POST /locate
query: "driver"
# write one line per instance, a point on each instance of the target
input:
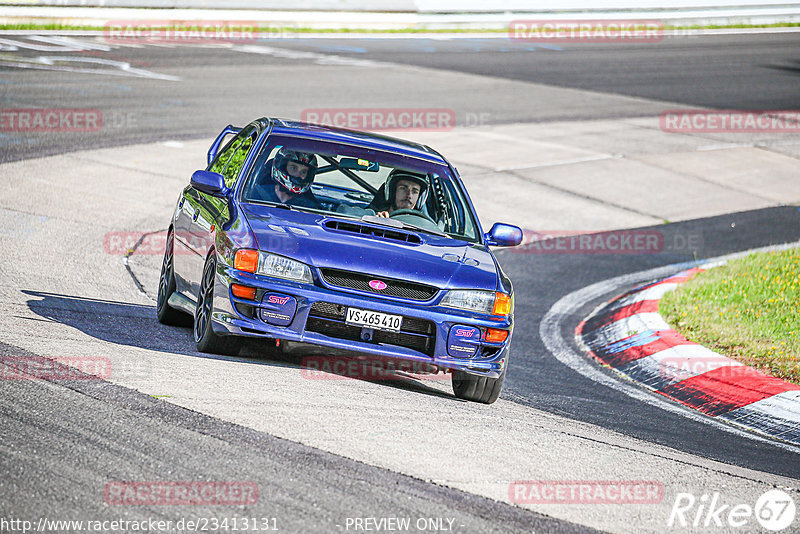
(292, 173)
(404, 191)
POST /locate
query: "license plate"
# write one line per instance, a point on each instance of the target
(371, 319)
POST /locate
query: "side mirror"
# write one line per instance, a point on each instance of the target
(504, 235)
(212, 183)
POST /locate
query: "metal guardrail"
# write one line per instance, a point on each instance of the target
(419, 6)
(408, 6)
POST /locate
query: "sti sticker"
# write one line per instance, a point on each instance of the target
(463, 341)
(277, 309)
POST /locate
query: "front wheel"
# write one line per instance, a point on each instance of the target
(166, 287)
(477, 388)
(204, 336)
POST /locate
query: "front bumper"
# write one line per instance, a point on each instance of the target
(321, 325)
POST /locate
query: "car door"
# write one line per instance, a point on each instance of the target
(204, 213)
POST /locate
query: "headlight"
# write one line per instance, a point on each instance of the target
(466, 299)
(478, 301)
(280, 267)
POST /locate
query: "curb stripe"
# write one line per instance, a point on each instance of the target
(681, 277)
(642, 306)
(627, 327)
(675, 365)
(630, 336)
(623, 312)
(654, 292)
(727, 388)
(777, 415)
(634, 348)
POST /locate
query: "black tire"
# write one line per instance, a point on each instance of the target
(204, 336)
(477, 388)
(166, 287)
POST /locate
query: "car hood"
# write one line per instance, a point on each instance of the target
(437, 261)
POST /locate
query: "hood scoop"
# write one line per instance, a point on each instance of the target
(372, 231)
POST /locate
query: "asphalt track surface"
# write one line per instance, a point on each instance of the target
(560, 390)
(747, 72)
(751, 71)
(80, 434)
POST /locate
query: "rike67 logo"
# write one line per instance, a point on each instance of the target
(774, 511)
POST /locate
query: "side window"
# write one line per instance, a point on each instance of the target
(230, 161)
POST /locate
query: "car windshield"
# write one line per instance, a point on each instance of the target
(356, 182)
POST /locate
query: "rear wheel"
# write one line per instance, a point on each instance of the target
(166, 287)
(204, 336)
(477, 388)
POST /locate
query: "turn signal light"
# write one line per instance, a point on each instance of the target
(502, 304)
(243, 292)
(495, 335)
(246, 260)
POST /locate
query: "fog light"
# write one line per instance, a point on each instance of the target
(243, 292)
(495, 335)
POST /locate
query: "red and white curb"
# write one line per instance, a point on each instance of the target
(628, 335)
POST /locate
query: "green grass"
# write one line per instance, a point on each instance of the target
(292, 29)
(748, 310)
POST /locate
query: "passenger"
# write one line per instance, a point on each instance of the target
(403, 191)
(291, 174)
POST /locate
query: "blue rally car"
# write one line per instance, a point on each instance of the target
(304, 234)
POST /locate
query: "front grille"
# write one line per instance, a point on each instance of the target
(394, 288)
(328, 319)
